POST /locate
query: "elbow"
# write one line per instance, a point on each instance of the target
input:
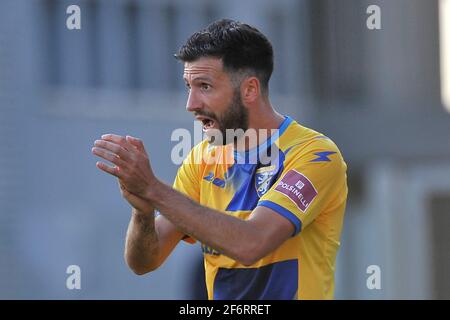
(141, 268)
(138, 272)
(248, 262)
(249, 256)
(255, 249)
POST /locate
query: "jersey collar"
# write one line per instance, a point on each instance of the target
(251, 155)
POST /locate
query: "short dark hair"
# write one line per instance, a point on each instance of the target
(241, 47)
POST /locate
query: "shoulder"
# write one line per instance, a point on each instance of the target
(311, 152)
(302, 142)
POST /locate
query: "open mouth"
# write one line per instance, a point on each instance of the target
(208, 123)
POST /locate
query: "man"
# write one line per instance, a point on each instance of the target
(269, 229)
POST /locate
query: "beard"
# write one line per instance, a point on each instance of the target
(232, 124)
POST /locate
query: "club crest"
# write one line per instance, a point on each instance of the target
(263, 179)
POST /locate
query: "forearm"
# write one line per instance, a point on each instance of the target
(141, 245)
(231, 236)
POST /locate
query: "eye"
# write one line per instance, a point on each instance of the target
(188, 87)
(205, 86)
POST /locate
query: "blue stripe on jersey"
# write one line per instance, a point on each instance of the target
(251, 155)
(287, 121)
(237, 174)
(246, 197)
(242, 178)
(276, 281)
(242, 174)
(285, 213)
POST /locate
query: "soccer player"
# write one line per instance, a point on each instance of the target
(268, 212)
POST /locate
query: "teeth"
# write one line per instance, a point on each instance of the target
(207, 124)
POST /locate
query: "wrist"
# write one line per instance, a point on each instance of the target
(152, 193)
(147, 214)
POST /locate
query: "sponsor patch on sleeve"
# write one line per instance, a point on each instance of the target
(297, 188)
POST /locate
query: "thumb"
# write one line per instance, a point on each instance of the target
(122, 188)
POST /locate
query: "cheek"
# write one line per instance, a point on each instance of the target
(215, 103)
(224, 101)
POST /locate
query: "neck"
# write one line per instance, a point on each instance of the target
(261, 121)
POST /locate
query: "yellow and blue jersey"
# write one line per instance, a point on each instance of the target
(305, 182)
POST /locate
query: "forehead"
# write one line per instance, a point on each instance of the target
(206, 66)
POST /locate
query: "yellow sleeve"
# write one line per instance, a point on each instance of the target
(313, 178)
(187, 180)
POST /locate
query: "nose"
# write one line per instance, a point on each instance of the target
(193, 103)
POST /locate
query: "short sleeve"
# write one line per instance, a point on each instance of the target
(187, 180)
(311, 180)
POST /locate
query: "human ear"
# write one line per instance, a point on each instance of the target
(250, 90)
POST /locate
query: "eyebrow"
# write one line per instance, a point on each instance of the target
(208, 79)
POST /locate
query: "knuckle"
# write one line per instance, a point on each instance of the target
(115, 149)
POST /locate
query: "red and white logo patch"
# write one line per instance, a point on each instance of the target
(297, 188)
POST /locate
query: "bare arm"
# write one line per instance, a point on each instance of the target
(149, 240)
(246, 241)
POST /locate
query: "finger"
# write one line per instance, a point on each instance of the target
(120, 140)
(114, 148)
(111, 157)
(109, 169)
(136, 142)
